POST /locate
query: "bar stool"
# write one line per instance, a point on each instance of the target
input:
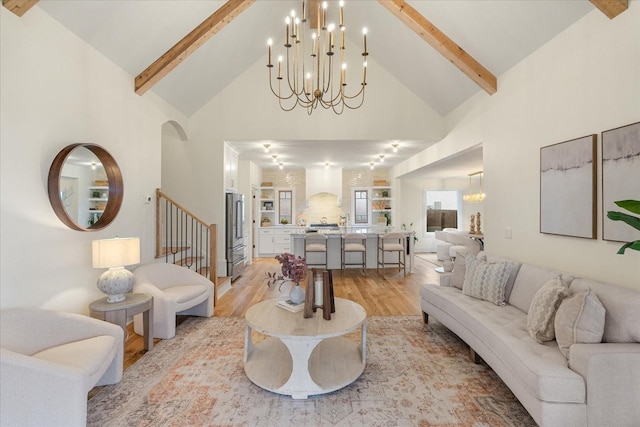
(354, 243)
(392, 242)
(315, 243)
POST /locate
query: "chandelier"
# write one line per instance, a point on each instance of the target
(474, 197)
(308, 78)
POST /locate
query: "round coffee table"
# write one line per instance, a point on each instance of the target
(303, 357)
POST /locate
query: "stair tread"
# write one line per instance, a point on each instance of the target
(167, 250)
(187, 260)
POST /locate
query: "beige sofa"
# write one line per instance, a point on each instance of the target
(598, 385)
(49, 361)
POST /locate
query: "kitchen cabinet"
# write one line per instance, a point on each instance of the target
(275, 240)
(265, 242)
(230, 168)
(282, 240)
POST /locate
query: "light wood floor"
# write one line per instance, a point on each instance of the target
(391, 294)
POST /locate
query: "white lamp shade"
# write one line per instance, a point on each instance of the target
(116, 252)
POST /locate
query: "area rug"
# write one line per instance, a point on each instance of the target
(416, 375)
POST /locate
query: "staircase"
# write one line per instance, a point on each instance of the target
(184, 239)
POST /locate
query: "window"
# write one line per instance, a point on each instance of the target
(285, 206)
(442, 210)
(361, 206)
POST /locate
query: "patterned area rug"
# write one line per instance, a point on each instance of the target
(416, 375)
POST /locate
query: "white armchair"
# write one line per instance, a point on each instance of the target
(462, 245)
(442, 245)
(175, 290)
(49, 361)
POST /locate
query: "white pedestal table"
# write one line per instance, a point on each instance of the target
(302, 357)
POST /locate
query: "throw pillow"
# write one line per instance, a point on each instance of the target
(485, 280)
(580, 319)
(459, 270)
(542, 311)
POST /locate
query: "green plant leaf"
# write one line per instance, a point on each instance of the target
(619, 216)
(631, 245)
(630, 205)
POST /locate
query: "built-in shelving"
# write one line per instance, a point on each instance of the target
(381, 199)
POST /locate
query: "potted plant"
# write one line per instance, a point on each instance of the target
(632, 206)
(415, 236)
(265, 222)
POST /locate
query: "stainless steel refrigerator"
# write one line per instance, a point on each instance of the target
(234, 234)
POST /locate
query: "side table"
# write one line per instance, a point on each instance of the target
(118, 312)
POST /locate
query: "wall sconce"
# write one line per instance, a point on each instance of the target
(275, 158)
(395, 147)
(371, 165)
(115, 254)
(381, 158)
(266, 147)
(326, 165)
(281, 165)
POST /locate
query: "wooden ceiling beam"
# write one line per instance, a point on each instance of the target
(19, 7)
(443, 44)
(611, 8)
(192, 41)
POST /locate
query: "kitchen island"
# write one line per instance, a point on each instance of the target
(334, 248)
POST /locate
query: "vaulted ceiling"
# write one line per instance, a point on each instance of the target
(495, 33)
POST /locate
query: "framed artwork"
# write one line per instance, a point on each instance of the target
(620, 178)
(568, 188)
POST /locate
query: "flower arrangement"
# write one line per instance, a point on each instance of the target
(294, 269)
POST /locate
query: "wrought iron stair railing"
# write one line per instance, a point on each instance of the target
(184, 239)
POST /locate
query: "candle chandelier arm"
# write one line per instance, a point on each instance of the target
(314, 84)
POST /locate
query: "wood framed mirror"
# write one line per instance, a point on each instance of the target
(85, 187)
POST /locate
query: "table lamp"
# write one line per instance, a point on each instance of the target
(114, 254)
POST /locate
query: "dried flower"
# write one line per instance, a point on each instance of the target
(294, 269)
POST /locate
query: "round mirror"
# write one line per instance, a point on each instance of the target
(85, 187)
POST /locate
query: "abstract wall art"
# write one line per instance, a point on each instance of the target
(620, 178)
(568, 188)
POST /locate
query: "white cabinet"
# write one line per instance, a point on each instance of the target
(230, 168)
(266, 242)
(275, 240)
(381, 199)
(282, 241)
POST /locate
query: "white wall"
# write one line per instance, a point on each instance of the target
(56, 90)
(584, 81)
(247, 110)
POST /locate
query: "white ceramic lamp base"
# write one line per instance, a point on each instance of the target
(116, 282)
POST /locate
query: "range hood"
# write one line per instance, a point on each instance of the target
(322, 180)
